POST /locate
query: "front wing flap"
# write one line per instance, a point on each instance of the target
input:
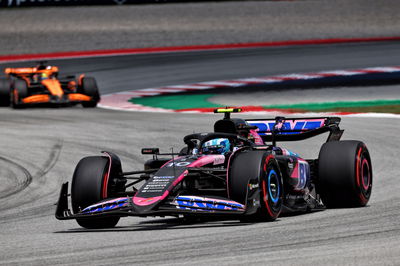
(124, 206)
(56, 99)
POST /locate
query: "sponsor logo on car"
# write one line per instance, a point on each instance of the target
(253, 186)
(107, 205)
(267, 126)
(205, 204)
(178, 164)
(219, 159)
(163, 177)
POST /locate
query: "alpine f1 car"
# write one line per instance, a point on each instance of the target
(235, 171)
(41, 85)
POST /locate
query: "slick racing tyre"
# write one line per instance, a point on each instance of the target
(5, 87)
(262, 167)
(345, 174)
(89, 88)
(19, 92)
(91, 184)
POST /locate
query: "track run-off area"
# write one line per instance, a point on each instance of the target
(41, 146)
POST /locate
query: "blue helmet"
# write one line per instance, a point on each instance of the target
(216, 146)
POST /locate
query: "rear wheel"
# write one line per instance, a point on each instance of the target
(260, 166)
(345, 174)
(5, 86)
(19, 92)
(89, 88)
(91, 184)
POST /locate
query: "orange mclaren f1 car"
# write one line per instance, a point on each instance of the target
(40, 85)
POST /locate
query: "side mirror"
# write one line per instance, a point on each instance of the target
(150, 151)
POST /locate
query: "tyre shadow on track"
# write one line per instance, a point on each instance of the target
(166, 224)
(180, 223)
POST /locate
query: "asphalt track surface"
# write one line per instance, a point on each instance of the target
(40, 148)
(122, 73)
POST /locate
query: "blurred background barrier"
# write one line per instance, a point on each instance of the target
(22, 3)
(17, 3)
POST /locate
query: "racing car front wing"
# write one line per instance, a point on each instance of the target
(56, 99)
(183, 204)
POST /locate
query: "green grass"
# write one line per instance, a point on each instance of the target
(177, 102)
(193, 101)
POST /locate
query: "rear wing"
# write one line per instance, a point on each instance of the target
(294, 129)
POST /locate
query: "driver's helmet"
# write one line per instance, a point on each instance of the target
(44, 76)
(216, 146)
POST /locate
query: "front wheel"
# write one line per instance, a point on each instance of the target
(18, 93)
(262, 168)
(5, 86)
(90, 184)
(89, 88)
(345, 174)
(271, 190)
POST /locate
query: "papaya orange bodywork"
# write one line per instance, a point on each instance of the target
(53, 86)
(41, 98)
(78, 97)
(43, 86)
(31, 70)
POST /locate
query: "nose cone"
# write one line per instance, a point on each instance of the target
(53, 86)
